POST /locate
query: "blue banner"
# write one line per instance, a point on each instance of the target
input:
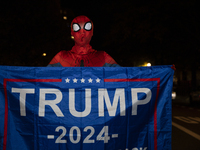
(82, 108)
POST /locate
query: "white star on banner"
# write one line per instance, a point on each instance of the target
(98, 80)
(82, 80)
(90, 80)
(75, 80)
(67, 80)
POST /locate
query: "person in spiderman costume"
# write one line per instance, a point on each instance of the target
(82, 54)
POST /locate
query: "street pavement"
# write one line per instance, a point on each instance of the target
(185, 125)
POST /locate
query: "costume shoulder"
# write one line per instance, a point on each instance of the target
(109, 61)
(59, 59)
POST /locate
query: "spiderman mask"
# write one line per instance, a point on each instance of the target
(82, 30)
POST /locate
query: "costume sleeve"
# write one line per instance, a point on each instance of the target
(55, 62)
(109, 61)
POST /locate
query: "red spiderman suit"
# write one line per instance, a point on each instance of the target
(82, 54)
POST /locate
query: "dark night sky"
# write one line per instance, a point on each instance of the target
(165, 32)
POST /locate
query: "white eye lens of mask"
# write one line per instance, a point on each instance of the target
(76, 27)
(88, 26)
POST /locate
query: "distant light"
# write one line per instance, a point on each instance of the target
(72, 37)
(65, 17)
(148, 64)
(173, 95)
(44, 54)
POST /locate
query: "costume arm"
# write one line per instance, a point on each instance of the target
(109, 61)
(55, 62)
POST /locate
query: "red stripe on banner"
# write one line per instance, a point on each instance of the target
(155, 106)
(6, 100)
(131, 80)
(6, 116)
(33, 80)
(155, 115)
